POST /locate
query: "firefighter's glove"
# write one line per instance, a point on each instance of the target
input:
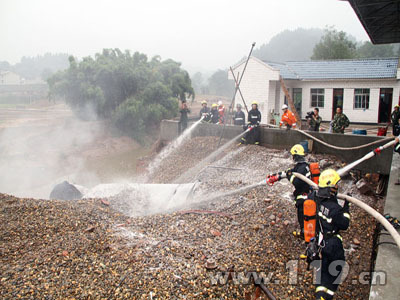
(289, 173)
(271, 179)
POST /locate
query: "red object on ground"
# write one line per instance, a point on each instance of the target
(382, 131)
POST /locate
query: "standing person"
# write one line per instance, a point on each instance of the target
(301, 188)
(221, 112)
(288, 118)
(183, 122)
(331, 218)
(253, 120)
(340, 121)
(395, 117)
(239, 118)
(314, 120)
(396, 128)
(214, 115)
(205, 111)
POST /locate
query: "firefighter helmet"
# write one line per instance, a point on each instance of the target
(284, 106)
(328, 178)
(214, 105)
(254, 103)
(219, 103)
(297, 150)
(204, 102)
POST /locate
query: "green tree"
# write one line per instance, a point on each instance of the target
(219, 84)
(290, 45)
(369, 50)
(133, 92)
(334, 45)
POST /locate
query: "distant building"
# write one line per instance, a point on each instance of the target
(10, 78)
(366, 89)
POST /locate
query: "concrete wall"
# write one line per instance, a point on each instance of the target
(282, 139)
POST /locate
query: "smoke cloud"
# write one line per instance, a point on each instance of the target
(39, 149)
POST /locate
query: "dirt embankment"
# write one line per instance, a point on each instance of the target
(83, 249)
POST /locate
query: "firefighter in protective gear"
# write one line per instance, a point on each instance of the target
(239, 118)
(221, 113)
(253, 120)
(205, 111)
(288, 118)
(214, 116)
(331, 219)
(301, 188)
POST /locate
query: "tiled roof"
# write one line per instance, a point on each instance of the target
(338, 69)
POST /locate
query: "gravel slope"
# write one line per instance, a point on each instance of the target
(86, 250)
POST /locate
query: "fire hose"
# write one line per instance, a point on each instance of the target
(337, 147)
(369, 155)
(344, 148)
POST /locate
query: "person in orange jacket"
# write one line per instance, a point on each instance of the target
(221, 112)
(288, 119)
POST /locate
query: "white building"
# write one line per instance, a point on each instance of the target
(366, 89)
(10, 78)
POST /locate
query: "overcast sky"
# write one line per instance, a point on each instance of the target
(204, 34)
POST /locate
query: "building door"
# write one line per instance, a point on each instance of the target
(297, 98)
(337, 100)
(385, 105)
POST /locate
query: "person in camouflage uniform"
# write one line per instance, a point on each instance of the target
(340, 121)
(314, 121)
(395, 117)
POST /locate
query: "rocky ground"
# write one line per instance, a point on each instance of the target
(86, 250)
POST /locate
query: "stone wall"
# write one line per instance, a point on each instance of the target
(282, 139)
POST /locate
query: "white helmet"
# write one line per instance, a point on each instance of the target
(219, 103)
(284, 106)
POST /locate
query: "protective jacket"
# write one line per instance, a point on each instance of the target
(254, 117)
(331, 219)
(239, 118)
(214, 116)
(395, 117)
(338, 122)
(300, 186)
(221, 113)
(205, 110)
(289, 119)
(396, 129)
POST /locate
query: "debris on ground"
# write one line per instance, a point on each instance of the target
(85, 249)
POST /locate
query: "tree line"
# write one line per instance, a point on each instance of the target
(40, 66)
(135, 93)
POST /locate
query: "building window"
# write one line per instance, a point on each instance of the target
(317, 97)
(361, 98)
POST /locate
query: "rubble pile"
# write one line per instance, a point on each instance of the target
(87, 250)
